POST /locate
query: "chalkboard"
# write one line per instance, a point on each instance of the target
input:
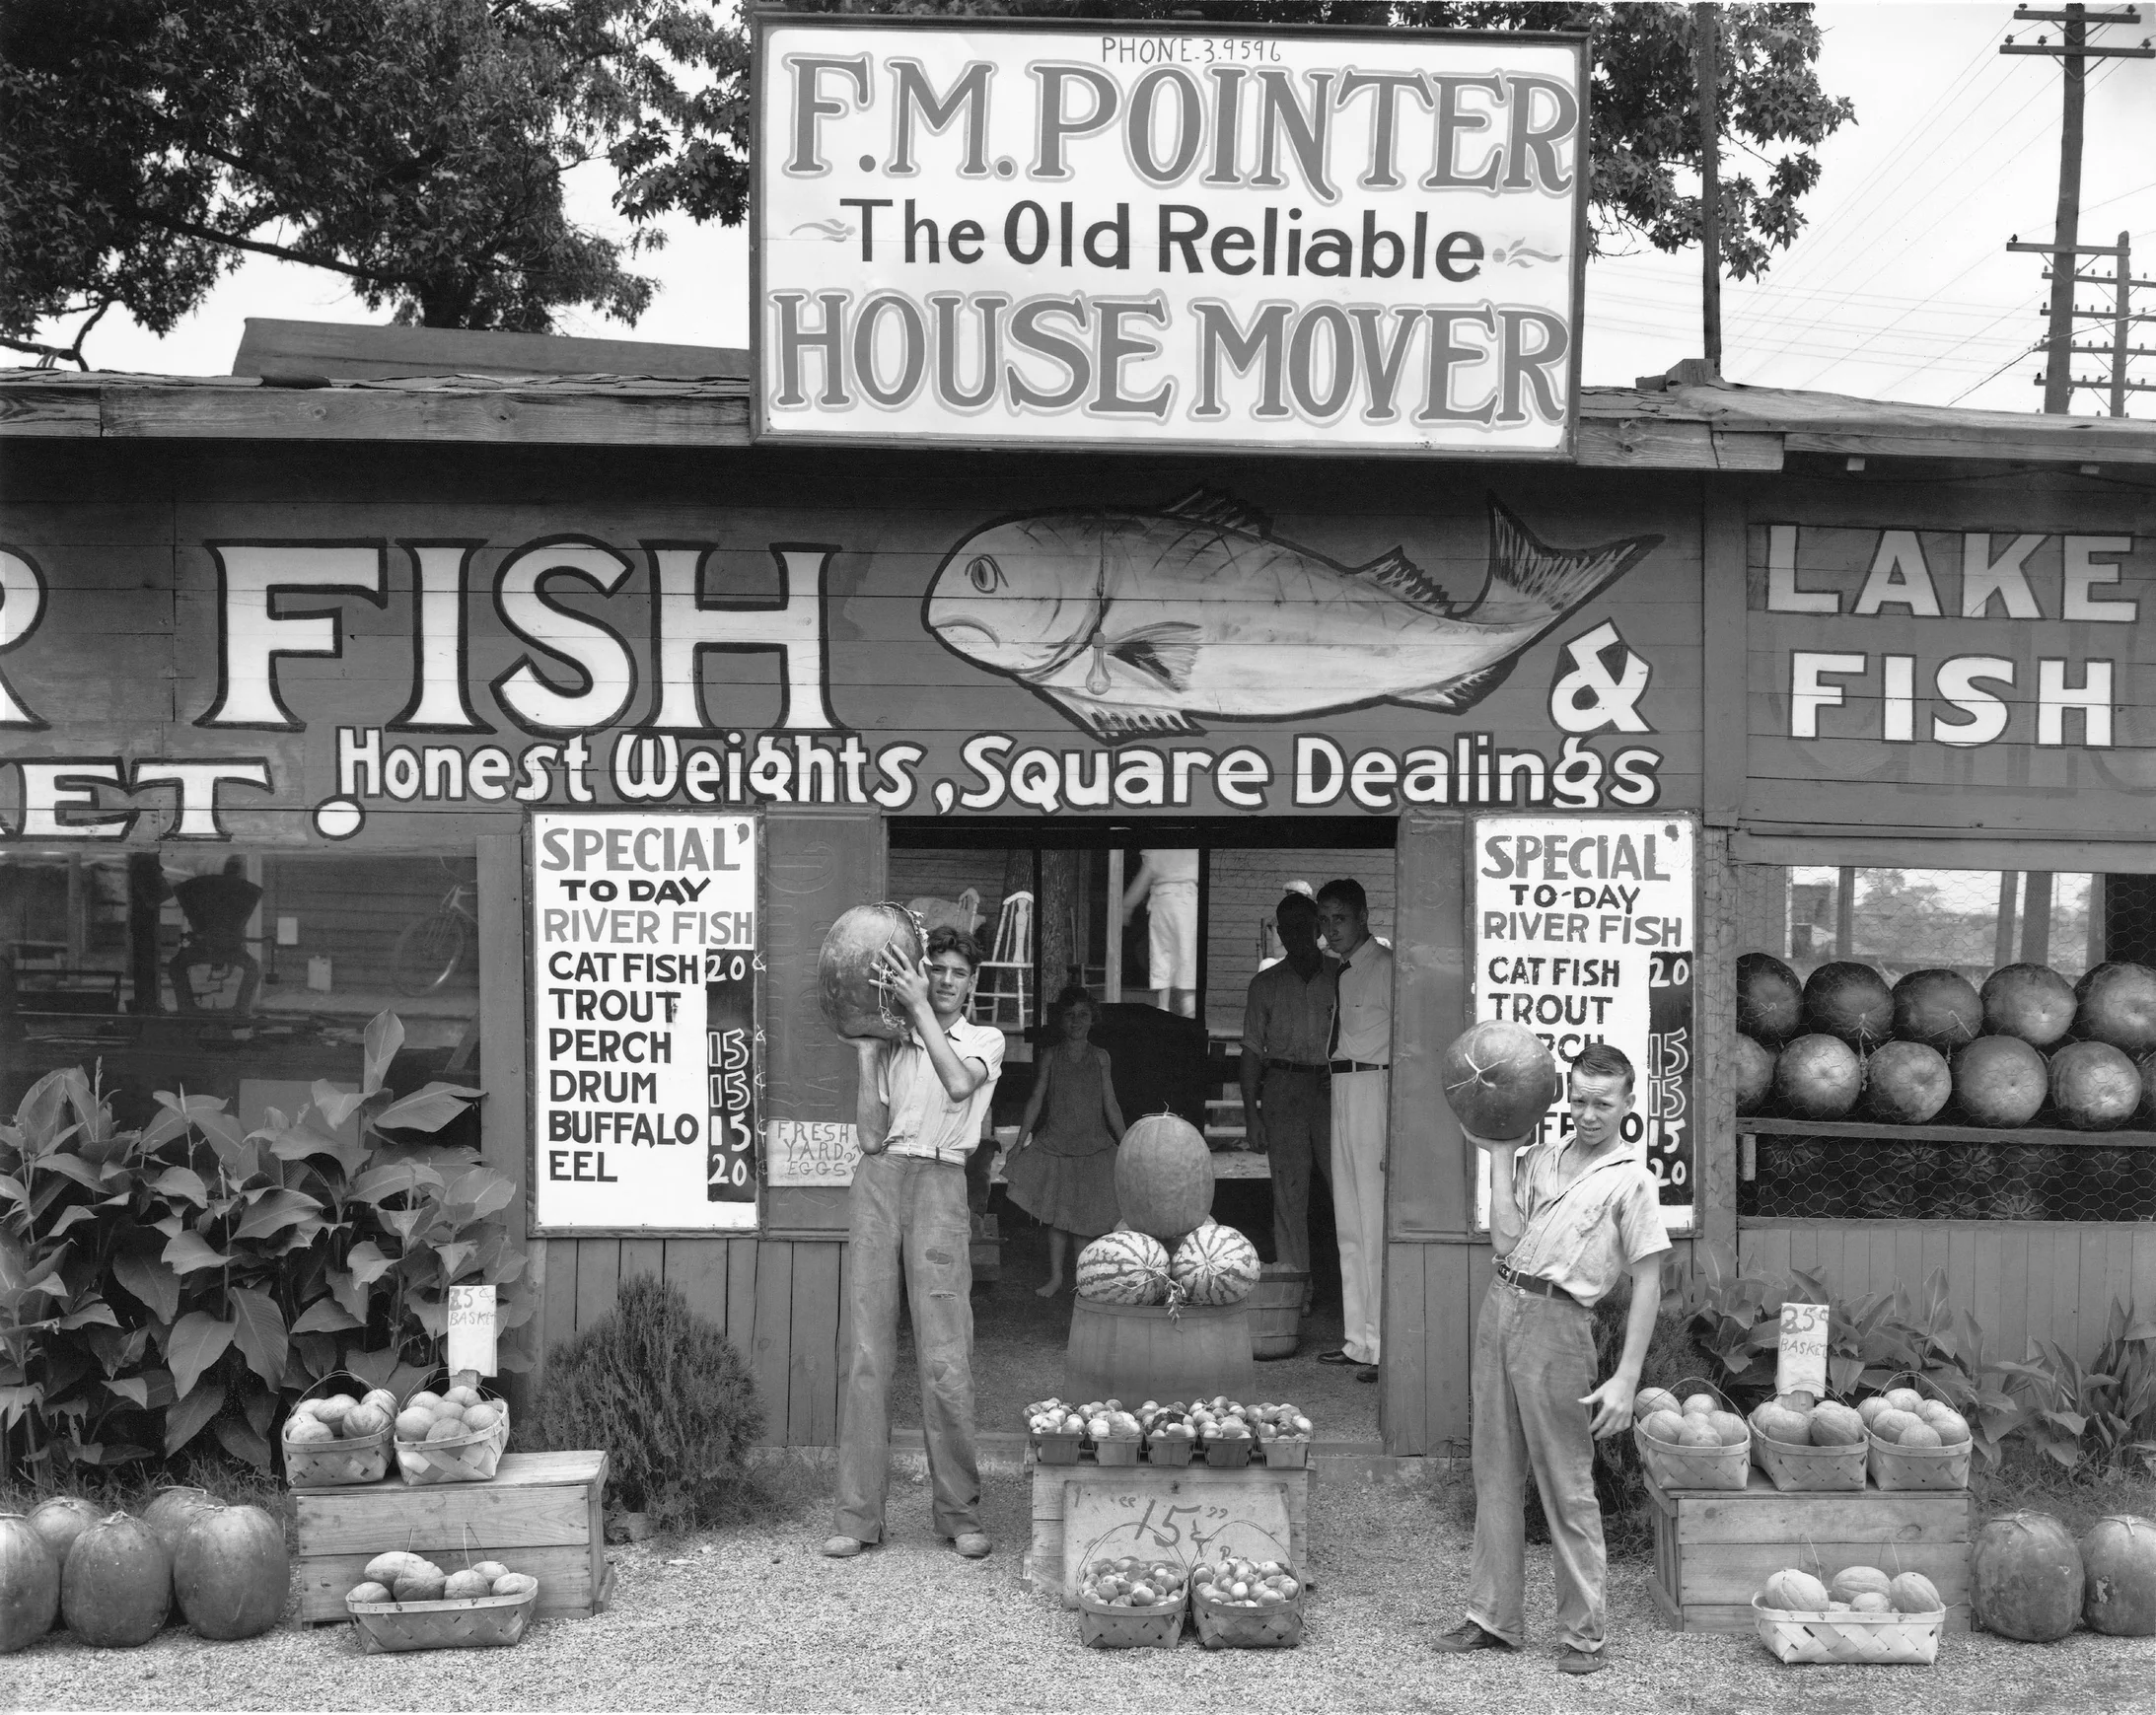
(731, 1036)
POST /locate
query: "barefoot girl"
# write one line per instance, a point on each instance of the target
(1062, 1170)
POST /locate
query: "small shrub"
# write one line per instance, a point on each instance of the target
(661, 1390)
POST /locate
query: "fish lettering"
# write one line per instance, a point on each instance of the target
(1146, 621)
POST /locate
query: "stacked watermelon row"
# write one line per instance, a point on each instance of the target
(1164, 1182)
(1933, 1046)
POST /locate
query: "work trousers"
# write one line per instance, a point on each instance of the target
(1297, 1109)
(908, 1213)
(1534, 1363)
(1359, 1101)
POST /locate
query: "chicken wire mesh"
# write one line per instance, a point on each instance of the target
(1972, 922)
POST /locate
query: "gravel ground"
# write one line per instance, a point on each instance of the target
(755, 1619)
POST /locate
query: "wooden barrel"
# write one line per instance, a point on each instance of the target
(1275, 1305)
(1134, 1352)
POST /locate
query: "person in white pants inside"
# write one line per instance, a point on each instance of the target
(1361, 1059)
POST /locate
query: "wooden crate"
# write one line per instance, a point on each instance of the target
(987, 1248)
(540, 1513)
(1044, 1565)
(1713, 1548)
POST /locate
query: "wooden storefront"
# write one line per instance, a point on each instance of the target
(392, 528)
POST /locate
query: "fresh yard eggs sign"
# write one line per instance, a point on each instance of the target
(1311, 240)
(645, 1046)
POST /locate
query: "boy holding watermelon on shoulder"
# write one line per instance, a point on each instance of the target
(919, 1114)
(1568, 1220)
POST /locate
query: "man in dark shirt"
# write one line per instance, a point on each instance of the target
(217, 909)
(1287, 1026)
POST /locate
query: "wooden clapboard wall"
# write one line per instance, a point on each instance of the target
(2022, 1280)
(780, 1297)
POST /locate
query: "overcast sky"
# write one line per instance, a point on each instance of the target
(1901, 288)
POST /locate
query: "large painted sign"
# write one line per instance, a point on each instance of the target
(643, 940)
(1330, 240)
(1586, 930)
(1026, 648)
(1996, 677)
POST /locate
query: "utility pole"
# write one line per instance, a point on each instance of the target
(2073, 53)
(1703, 31)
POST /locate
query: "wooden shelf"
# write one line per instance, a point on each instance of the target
(2025, 1137)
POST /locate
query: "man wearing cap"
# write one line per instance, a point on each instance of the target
(1572, 1218)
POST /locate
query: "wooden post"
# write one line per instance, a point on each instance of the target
(2002, 942)
(1111, 974)
(2036, 917)
(2059, 380)
(1710, 189)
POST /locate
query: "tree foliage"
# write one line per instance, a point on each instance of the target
(418, 147)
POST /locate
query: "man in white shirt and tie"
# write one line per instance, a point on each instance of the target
(1361, 1060)
(919, 1114)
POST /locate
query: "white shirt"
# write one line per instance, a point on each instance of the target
(923, 1120)
(1366, 1005)
(1584, 1237)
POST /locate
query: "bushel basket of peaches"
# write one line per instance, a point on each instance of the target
(338, 1433)
(1692, 1443)
(452, 1436)
(406, 1602)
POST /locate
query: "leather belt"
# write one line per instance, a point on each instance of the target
(1357, 1066)
(1296, 1066)
(1533, 1283)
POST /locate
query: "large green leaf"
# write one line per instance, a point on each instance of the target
(274, 1211)
(334, 1105)
(199, 1340)
(97, 1311)
(297, 1142)
(188, 1251)
(187, 1419)
(130, 1388)
(427, 1108)
(385, 1036)
(394, 1179)
(325, 1315)
(183, 1181)
(367, 1263)
(72, 1167)
(258, 1331)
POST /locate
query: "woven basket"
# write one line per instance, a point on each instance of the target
(1057, 1449)
(322, 1464)
(1102, 1626)
(1887, 1638)
(1118, 1448)
(474, 1623)
(1169, 1448)
(1229, 1452)
(1696, 1468)
(463, 1459)
(1809, 1469)
(1277, 1625)
(1919, 1468)
(1280, 1454)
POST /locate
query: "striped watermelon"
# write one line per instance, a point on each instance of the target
(1215, 1264)
(1123, 1268)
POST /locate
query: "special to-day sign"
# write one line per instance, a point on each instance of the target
(1065, 235)
(646, 1062)
(1585, 930)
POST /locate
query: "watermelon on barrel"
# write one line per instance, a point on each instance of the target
(2030, 1001)
(1819, 1077)
(1123, 1268)
(2119, 1564)
(1851, 1001)
(1939, 1008)
(2001, 1081)
(1164, 1177)
(1755, 1074)
(2117, 1005)
(1499, 1080)
(1215, 1264)
(2025, 1578)
(850, 989)
(2094, 1086)
(1769, 999)
(1906, 1083)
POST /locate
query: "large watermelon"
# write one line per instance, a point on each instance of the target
(1753, 1075)
(1215, 1264)
(2094, 1084)
(1939, 1008)
(1769, 999)
(1164, 1177)
(1851, 1001)
(849, 987)
(2001, 1081)
(30, 1584)
(2119, 1561)
(2117, 1005)
(1123, 1268)
(1500, 1080)
(2030, 1001)
(2025, 1578)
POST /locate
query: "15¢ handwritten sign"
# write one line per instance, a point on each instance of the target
(645, 1063)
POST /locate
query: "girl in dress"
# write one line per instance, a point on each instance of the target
(1062, 1168)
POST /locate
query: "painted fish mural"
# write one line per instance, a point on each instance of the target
(1146, 621)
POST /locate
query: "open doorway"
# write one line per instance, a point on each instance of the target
(1162, 928)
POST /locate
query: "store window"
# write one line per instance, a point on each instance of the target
(2061, 1163)
(243, 975)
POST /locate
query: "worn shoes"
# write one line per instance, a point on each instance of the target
(1573, 1661)
(842, 1547)
(1465, 1636)
(974, 1545)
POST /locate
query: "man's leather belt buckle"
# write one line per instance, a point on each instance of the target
(1533, 1283)
(1357, 1066)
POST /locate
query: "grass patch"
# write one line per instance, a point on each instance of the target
(2029, 1481)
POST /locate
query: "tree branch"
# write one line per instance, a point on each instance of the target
(210, 235)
